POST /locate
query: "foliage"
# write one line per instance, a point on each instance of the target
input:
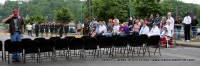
(63, 15)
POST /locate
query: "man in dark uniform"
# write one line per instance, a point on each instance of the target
(56, 29)
(86, 27)
(37, 28)
(46, 29)
(61, 29)
(66, 28)
(51, 29)
(42, 26)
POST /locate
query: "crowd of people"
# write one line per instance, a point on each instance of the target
(163, 26)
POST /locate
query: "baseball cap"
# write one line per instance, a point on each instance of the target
(15, 11)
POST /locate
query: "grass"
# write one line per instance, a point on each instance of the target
(198, 40)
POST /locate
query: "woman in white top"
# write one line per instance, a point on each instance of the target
(144, 29)
(116, 28)
(154, 31)
(29, 29)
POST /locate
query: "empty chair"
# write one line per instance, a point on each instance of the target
(31, 47)
(137, 44)
(13, 47)
(76, 44)
(107, 44)
(120, 43)
(1, 45)
(154, 41)
(6, 44)
(91, 44)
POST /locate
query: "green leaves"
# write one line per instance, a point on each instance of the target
(63, 15)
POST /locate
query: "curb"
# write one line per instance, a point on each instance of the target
(188, 44)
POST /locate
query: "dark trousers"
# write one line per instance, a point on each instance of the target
(187, 31)
(36, 33)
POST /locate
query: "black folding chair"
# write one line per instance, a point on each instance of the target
(91, 44)
(61, 46)
(31, 47)
(155, 42)
(107, 44)
(46, 47)
(1, 45)
(137, 44)
(76, 44)
(13, 47)
(6, 44)
(120, 44)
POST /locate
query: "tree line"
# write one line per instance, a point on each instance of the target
(67, 10)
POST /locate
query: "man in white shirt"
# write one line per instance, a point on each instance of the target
(154, 31)
(102, 29)
(187, 24)
(144, 29)
(171, 19)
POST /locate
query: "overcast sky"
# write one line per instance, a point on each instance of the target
(187, 1)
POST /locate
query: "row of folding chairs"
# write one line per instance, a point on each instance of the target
(56, 47)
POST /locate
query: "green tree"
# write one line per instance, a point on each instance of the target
(63, 15)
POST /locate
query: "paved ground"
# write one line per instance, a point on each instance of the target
(179, 52)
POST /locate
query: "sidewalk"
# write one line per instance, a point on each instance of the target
(188, 44)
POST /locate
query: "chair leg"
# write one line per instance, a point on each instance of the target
(8, 58)
(155, 50)
(159, 50)
(148, 51)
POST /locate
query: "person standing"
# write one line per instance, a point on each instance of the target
(37, 28)
(178, 25)
(150, 21)
(42, 27)
(16, 30)
(172, 22)
(86, 27)
(51, 29)
(157, 20)
(29, 29)
(46, 29)
(61, 30)
(194, 28)
(187, 24)
(66, 28)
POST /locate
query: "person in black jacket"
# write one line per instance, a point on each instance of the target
(86, 28)
(46, 29)
(37, 28)
(66, 29)
(56, 26)
(61, 30)
(51, 29)
(42, 26)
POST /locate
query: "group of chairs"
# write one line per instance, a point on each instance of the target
(68, 47)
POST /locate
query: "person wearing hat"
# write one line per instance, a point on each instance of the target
(16, 30)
